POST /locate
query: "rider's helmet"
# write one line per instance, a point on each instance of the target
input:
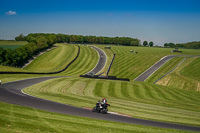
(104, 100)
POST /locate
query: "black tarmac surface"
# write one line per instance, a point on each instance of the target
(102, 60)
(153, 68)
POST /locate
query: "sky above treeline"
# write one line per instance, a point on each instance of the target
(160, 21)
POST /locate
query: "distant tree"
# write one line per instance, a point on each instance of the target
(166, 45)
(145, 43)
(171, 45)
(151, 44)
(20, 37)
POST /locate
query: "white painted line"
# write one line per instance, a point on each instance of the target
(28, 94)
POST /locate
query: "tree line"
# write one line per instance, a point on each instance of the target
(191, 45)
(40, 41)
(60, 38)
(19, 56)
(146, 44)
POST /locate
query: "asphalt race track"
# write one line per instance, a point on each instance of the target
(102, 60)
(153, 68)
(12, 93)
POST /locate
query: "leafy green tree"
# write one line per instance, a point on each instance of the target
(2, 55)
(145, 43)
(166, 45)
(171, 45)
(151, 44)
(20, 37)
(41, 42)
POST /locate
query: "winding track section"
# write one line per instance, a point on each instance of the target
(12, 93)
(102, 60)
(153, 68)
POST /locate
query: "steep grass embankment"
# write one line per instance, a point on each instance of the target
(138, 99)
(186, 76)
(54, 60)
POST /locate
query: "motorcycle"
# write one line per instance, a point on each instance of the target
(101, 108)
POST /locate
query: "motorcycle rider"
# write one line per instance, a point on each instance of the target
(101, 106)
(103, 102)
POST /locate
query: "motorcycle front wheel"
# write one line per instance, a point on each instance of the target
(104, 111)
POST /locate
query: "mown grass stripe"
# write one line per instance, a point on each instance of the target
(111, 89)
(124, 90)
(84, 63)
(98, 88)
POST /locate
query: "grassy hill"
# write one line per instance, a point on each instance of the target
(186, 76)
(86, 61)
(137, 99)
(54, 60)
(130, 65)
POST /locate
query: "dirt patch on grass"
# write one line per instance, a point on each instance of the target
(164, 81)
(198, 87)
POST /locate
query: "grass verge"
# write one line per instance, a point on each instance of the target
(15, 118)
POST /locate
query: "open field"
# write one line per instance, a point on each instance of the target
(130, 65)
(186, 76)
(15, 118)
(12, 44)
(140, 100)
